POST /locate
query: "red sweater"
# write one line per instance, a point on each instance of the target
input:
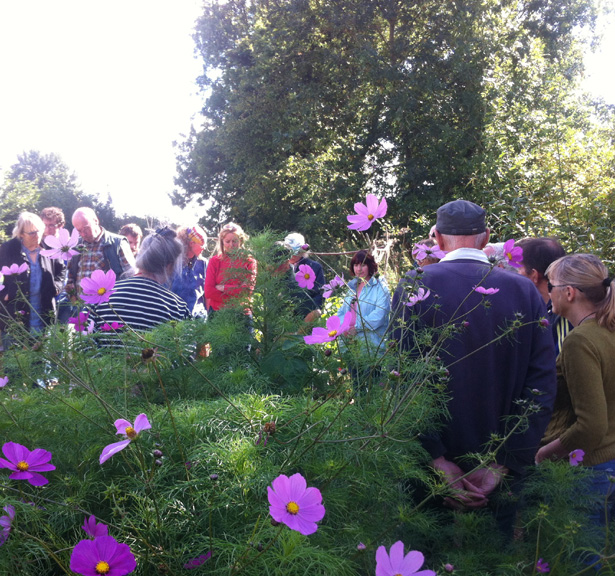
(238, 277)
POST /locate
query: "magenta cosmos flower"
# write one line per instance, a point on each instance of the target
(329, 288)
(4, 381)
(368, 213)
(6, 522)
(63, 246)
(26, 464)
(421, 294)
(420, 252)
(196, 562)
(93, 528)
(294, 504)
(104, 555)
(396, 564)
(513, 254)
(542, 567)
(98, 287)
(576, 457)
(305, 277)
(82, 322)
(14, 269)
(487, 291)
(335, 327)
(110, 327)
(131, 432)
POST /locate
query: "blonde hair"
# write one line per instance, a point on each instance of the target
(588, 274)
(230, 228)
(27, 218)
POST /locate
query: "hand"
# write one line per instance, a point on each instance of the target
(552, 451)
(466, 495)
(220, 287)
(486, 480)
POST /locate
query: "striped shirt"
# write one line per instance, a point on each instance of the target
(141, 304)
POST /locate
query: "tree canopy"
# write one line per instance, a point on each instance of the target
(311, 104)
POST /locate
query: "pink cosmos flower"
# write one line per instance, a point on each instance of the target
(82, 323)
(98, 287)
(62, 246)
(513, 254)
(294, 504)
(420, 252)
(6, 523)
(361, 546)
(329, 288)
(196, 562)
(14, 269)
(4, 381)
(93, 528)
(487, 291)
(396, 564)
(103, 555)
(576, 457)
(542, 567)
(113, 326)
(335, 328)
(26, 464)
(421, 294)
(368, 213)
(131, 432)
(305, 277)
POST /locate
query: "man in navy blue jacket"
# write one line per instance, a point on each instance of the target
(499, 357)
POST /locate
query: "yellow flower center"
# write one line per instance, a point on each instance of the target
(101, 291)
(23, 466)
(292, 508)
(130, 432)
(333, 334)
(102, 567)
(370, 216)
(306, 276)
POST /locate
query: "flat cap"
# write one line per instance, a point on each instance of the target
(460, 218)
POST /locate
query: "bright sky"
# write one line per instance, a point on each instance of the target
(108, 86)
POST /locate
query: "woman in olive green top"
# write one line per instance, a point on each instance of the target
(584, 412)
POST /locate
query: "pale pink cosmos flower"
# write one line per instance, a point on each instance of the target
(14, 269)
(294, 504)
(98, 287)
(63, 246)
(4, 381)
(131, 432)
(329, 288)
(576, 457)
(513, 254)
(82, 323)
(421, 294)
(487, 291)
(420, 252)
(368, 213)
(335, 328)
(305, 276)
(93, 528)
(396, 564)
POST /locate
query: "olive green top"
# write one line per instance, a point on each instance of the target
(584, 411)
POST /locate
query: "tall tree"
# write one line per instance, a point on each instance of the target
(313, 103)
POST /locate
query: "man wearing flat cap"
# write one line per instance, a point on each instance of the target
(488, 379)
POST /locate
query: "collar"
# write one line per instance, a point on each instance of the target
(466, 254)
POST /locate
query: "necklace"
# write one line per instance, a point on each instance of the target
(585, 318)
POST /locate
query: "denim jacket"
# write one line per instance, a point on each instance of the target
(372, 309)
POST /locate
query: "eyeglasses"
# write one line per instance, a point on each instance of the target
(551, 286)
(33, 233)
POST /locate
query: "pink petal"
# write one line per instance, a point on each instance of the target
(382, 209)
(38, 480)
(383, 562)
(275, 500)
(281, 486)
(121, 425)
(413, 561)
(39, 456)
(112, 449)
(15, 452)
(142, 423)
(297, 486)
(361, 209)
(371, 203)
(396, 554)
(303, 526)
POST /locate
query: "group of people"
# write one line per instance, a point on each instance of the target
(511, 328)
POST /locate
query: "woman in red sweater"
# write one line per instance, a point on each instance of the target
(231, 274)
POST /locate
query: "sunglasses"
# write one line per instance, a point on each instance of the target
(551, 286)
